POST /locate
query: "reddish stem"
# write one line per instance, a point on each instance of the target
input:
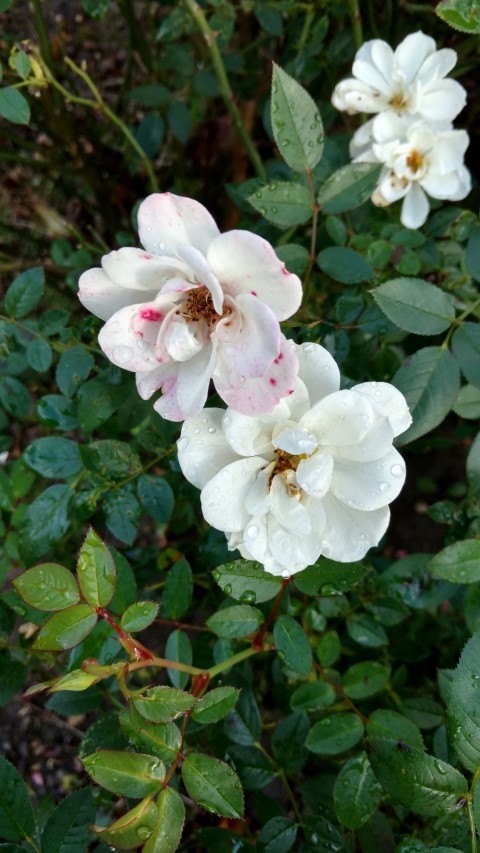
(134, 648)
(259, 638)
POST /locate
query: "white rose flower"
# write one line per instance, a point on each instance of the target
(422, 160)
(315, 476)
(196, 305)
(407, 81)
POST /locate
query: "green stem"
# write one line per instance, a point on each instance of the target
(136, 35)
(356, 20)
(238, 658)
(471, 823)
(211, 42)
(117, 121)
(291, 796)
(458, 321)
(42, 32)
(309, 18)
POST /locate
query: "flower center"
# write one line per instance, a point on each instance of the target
(199, 306)
(286, 464)
(414, 161)
(399, 101)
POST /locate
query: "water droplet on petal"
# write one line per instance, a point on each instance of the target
(286, 573)
(397, 470)
(211, 430)
(252, 531)
(122, 353)
(384, 487)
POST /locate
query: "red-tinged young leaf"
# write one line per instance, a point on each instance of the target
(213, 785)
(129, 774)
(132, 829)
(76, 681)
(96, 571)
(167, 833)
(66, 629)
(48, 586)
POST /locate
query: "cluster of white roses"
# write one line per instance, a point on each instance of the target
(411, 133)
(294, 467)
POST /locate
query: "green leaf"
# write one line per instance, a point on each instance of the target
(168, 829)
(98, 399)
(215, 705)
(66, 830)
(66, 629)
(14, 106)
(473, 465)
(472, 254)
(294, 257)
(14, 397)
(156, 497)
(178, 648)
(390, 724)
(247, 581)
(292, 644)
(161, 739)
(463, 709)
(122, 513)
(96, 8)
(96, 571)
(45, 520)
(252, 765)
(236, 621)
(415, 305)
(244, 725)
(126, 589)
(277, 835)
(365, 679)
(429, 380)
(344, 265)
(75, 681)
(56, 458)
(6, 492)
(283, 203)
(128, 774)
(139, 616)
(112, 460)
(466, 348)
(48, 586)
(213, 785)
(458, 563)
(179, 121)
(312, 696)
(416, 780)
(16, 815)
(334, 734)
(424, 712)
(356, 793)
(130, 830)
(39, 355)
(325, 576)
(288, 741)
(57, 411)
(150, 95)
(349, 187)
(12, 677)
(463, 15)
(73, 368)
(161, 704)
(177, 593)
(296, 123)
(467, 404)
(328, 648)
(366, 631)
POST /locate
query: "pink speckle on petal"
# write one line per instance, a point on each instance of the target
(285, 271)
(253, 292)
(278, 358)
(290, 391)
(151, 314)
(273, 381)
(147, 257)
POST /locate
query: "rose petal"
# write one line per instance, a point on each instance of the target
(257, 343)
(223, 497)
(180, 340)
(257, 396)
(246, 263)
(415, 207)
(287, 509)
(291, 438)
(202, 448)
(141, 270)
(194, 378)
(122, 345)
(318, 370)
(314, 474)
(369, 485)
(412, 52)
(258, 500)
(341, 418)
(251, 436)
(100, 295)
(349, 533)
(202, 273)
(389, 401)
(166, 221)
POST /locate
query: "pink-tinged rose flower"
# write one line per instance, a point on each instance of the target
(196, 305)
